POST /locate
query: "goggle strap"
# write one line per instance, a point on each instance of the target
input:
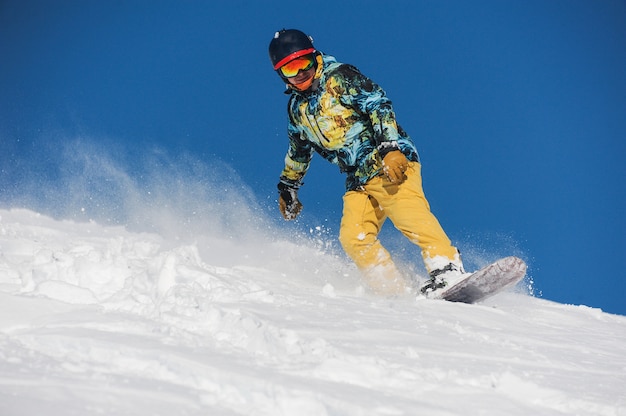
(293, 56)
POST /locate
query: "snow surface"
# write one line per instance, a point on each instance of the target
(101, 320)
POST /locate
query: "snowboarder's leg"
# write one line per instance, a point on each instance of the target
(361, 222)
(408, 209)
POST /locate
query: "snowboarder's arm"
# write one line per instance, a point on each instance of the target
(370, 99)
(297, 163)
(297, 159)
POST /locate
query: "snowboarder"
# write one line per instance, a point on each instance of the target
(345, 117)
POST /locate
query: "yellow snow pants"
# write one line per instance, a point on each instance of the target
(365, 211)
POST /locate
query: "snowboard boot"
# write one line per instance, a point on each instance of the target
(440, 278)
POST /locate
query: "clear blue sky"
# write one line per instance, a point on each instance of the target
(518, 109)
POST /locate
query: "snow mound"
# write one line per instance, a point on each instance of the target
(100, 320)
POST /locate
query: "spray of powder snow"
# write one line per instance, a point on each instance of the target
(181, 198)
(205, 203)
(148, 191)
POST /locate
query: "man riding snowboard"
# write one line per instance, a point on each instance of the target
(342, 115)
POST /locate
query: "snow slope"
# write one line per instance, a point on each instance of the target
(102, 320)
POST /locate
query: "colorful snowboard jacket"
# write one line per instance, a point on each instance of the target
(348, 120)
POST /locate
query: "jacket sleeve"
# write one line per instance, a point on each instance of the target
(370, 100)
(297, 159)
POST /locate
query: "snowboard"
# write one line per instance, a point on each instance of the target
(486, 282)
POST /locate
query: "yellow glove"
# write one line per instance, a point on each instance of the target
(394, 166)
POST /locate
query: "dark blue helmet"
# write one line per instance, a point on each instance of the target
(289, 44)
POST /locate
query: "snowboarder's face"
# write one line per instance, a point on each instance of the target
(303, 77)
(300, 72)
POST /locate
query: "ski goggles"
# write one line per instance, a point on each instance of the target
(292, 68)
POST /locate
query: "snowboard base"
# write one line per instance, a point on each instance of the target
(485, 282)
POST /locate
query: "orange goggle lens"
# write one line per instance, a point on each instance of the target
(291, 68)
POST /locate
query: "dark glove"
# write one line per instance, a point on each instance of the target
(288, 202)
(394, 166)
